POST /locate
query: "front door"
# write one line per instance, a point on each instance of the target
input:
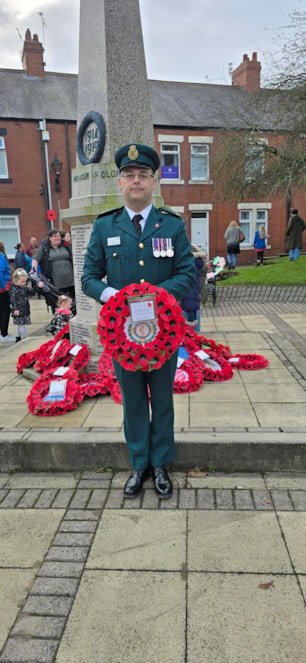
(199, 230)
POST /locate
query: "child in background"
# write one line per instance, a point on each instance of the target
(260, 243)
(19, 302)
(63, 312)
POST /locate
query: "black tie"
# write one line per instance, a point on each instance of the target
(136, 222)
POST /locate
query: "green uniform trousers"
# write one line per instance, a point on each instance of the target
(150, 439)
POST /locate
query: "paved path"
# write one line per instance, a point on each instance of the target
(217, 574)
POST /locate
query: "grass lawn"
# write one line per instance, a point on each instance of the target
(275, 271)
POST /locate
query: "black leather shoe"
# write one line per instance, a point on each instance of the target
(133, 486)
(162, 483)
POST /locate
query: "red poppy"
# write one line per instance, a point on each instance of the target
(116, 330)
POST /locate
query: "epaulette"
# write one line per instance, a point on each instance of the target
(113, 210)
(168, 210)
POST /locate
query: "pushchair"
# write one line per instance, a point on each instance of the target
(51, 295)
(214, 269)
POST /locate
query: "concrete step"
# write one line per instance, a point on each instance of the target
(224, 451)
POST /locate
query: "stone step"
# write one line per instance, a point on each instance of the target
(224, 451)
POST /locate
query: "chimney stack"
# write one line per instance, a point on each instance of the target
(247, 75)
(32, 56)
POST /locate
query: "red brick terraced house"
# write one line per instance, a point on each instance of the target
(38, 111)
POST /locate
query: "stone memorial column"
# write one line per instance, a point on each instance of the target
(113, 109)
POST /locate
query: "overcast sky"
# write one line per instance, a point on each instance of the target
(194, 40)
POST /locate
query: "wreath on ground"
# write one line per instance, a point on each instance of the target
(248, 362)
(44, 399)
(118, 333)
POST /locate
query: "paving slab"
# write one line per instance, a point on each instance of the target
(231, 619)
(294, 532)
(42, 480)
(269, 375)
(14, 585)
(144, 540)
(228, 542)
(280, 414)
(26, 536)
(286, 480)
(229, 481)
(222, 413)
(12, 415)
(126, 616)
(276, 393)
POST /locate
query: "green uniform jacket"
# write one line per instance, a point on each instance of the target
(115, 251)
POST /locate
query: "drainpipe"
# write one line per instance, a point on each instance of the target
(45, 136)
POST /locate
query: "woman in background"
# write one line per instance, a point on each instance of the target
(233, 236)
(260, 244)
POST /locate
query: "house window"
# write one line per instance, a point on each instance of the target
(3, 160)
(170, 161)
(254, 162)
(9, 233)
(250, 220)
(199, 159)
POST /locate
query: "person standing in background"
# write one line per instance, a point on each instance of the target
(5, 283)
(55, 260)
(260, 244)
(296, 227)
(22, 260)
(233, 236)
(31, 250)
(192, 303)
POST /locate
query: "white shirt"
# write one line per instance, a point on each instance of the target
(109, 291)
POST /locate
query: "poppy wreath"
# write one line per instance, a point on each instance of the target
(81, 356)
(107, 371)
(211, 374)
(191, 340)
(188, 377)
(248, 362)
(135, 356)
(63, 333)
(218, 348)
(45, 408)
(52, 354)
(27, 359)
(92, 384)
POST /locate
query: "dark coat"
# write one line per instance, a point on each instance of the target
(47, 269)
(22, 260)
(19, 300)
(296, 226)
(192, 301)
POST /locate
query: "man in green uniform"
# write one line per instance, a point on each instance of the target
(154, 248)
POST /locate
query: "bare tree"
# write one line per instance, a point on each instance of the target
(265, 153)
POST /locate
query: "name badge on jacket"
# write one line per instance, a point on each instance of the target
(113, 241)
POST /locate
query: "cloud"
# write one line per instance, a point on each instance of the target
(192, 41)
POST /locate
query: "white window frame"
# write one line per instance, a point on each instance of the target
(198, 142)
(3, 160)
(199, 161)
(251, 216)
(9, 233)
(170, 149)
(255, 158)
(165, 141)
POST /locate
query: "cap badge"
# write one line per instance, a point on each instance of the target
(133, 153)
